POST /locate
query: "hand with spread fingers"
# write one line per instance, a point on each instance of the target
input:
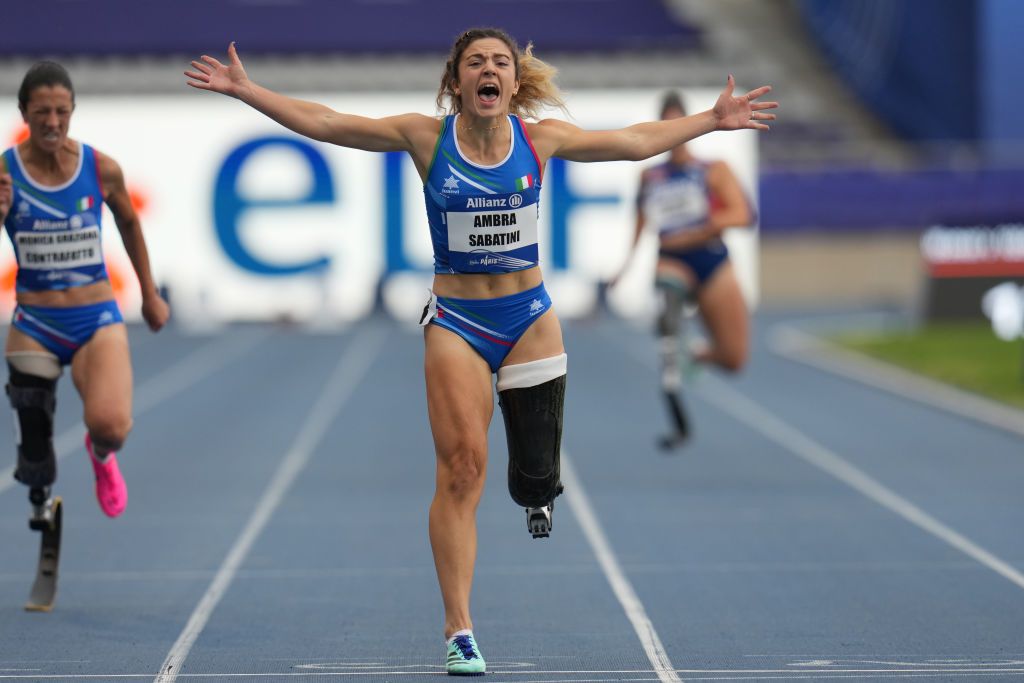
(211, 74)
(737, 113)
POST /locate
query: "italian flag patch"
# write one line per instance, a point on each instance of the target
(524, 182)
(84, 204)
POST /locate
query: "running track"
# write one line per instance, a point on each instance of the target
(817, 527)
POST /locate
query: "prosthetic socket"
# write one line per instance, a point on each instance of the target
(32, 390)
(532, 396)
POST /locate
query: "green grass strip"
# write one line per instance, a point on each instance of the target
(965, 355)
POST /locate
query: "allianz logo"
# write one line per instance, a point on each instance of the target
(513, 201)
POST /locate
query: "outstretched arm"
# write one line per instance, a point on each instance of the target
(395, 133)
(644, 140)
(154, 309)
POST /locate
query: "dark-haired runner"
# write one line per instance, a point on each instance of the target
(52, 192)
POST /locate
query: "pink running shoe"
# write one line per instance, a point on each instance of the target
(111, 491)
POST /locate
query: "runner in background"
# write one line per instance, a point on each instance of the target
(690, 203)
(52, 191)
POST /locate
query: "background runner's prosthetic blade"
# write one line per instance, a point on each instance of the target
(44, 589)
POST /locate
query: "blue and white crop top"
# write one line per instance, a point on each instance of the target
(483, 219)
(55, 229)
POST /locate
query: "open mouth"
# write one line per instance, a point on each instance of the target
(488, 92)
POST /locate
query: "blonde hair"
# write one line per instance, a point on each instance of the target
(537, 88)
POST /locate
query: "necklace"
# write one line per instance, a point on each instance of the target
(465, 127)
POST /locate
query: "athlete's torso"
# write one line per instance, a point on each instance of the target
(675, 197)
(56, 230)
(483, 219)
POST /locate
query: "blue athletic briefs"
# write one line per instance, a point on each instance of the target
(491, 326)
(64, 330)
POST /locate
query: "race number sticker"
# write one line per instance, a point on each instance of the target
(501, 230)
(57, 250)
(677, 204)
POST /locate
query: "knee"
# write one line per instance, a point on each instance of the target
(109, 431)
(733, 360)
(461, 470)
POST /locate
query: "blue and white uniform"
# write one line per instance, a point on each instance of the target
(675, 198)
(56, 233)
(483, 219)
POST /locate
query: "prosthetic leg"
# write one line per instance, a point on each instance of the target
(532, 396)
(32, 392)
(672, 294)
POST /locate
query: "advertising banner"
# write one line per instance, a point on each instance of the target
(964, 262)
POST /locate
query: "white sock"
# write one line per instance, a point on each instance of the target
(101, 459)
(463, 632)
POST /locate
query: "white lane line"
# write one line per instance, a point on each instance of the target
(570, 676)
(191, 369)
(797, 345)
(623, 589)
(732, 402)
(348, 373)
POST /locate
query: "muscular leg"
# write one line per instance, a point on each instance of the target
(543, 339)
(724, 313)
(102, 373)
(460, 405)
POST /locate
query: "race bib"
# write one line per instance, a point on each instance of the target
(493, 233)
(676, 205)
(57, 250)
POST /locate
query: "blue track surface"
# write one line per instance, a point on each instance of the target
(814, 528)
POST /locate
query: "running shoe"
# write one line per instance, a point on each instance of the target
(464, 657)
(111, 492)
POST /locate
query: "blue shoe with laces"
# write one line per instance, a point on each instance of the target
(464, 658)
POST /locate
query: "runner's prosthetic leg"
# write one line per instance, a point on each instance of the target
(672, 298)
(32, 390)
(532, 396)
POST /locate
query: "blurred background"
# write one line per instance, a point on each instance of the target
(892, 180)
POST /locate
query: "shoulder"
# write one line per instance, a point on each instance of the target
(655, 174)
(109, 171)
(104, 163)
(414, 120)
(419, 130)
(419, 124)
(717, 170)
(548, 128)
(549, 136)
(652, 173)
